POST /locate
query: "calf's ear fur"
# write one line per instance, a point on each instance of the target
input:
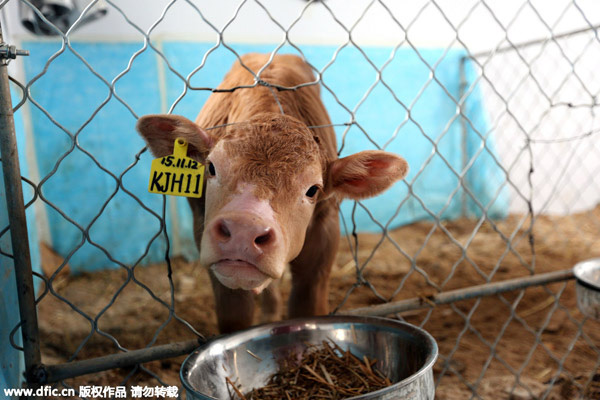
(161, 130)
(365, 174)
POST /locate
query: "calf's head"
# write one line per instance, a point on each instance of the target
(264, 178)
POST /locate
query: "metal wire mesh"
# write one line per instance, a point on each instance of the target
(542, 117)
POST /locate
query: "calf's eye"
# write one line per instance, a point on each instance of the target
(211, 169)
(312, 191)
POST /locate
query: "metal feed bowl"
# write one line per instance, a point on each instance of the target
(587, 274)
(404, 353)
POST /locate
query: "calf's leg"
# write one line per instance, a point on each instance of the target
(235, 307)
(312, 267)
(271, 303)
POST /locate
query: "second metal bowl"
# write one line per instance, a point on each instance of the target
(587, 274)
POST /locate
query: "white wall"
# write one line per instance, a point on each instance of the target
(428, 22)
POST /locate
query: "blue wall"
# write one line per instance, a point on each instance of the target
(78, 187)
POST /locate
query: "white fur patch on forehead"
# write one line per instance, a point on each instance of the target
(244, 199)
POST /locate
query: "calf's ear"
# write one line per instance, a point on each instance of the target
(161, 130)
(365, 174)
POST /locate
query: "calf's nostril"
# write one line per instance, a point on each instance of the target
(264, 238)
(222, 230)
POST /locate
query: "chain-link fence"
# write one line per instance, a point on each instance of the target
(499, 128)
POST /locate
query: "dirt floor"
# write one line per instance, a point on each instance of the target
(541, 348)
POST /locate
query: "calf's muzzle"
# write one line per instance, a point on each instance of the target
(244, 237)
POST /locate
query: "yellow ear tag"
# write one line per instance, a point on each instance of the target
(177, 174)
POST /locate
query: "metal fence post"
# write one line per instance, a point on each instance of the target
(17, 220)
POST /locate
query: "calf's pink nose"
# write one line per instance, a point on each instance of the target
(240, 234)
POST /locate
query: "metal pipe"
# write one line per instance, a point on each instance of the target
(533, 42)
(464, 136)
(451, 296)
(55, 373)
(18, 227)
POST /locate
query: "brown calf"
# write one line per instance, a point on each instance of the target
(273, 187)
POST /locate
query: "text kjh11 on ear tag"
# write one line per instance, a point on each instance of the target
(177, 174)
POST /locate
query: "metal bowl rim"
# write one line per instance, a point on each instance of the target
(580, 271)
(328, 319)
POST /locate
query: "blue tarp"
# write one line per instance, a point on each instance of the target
(412, 111)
